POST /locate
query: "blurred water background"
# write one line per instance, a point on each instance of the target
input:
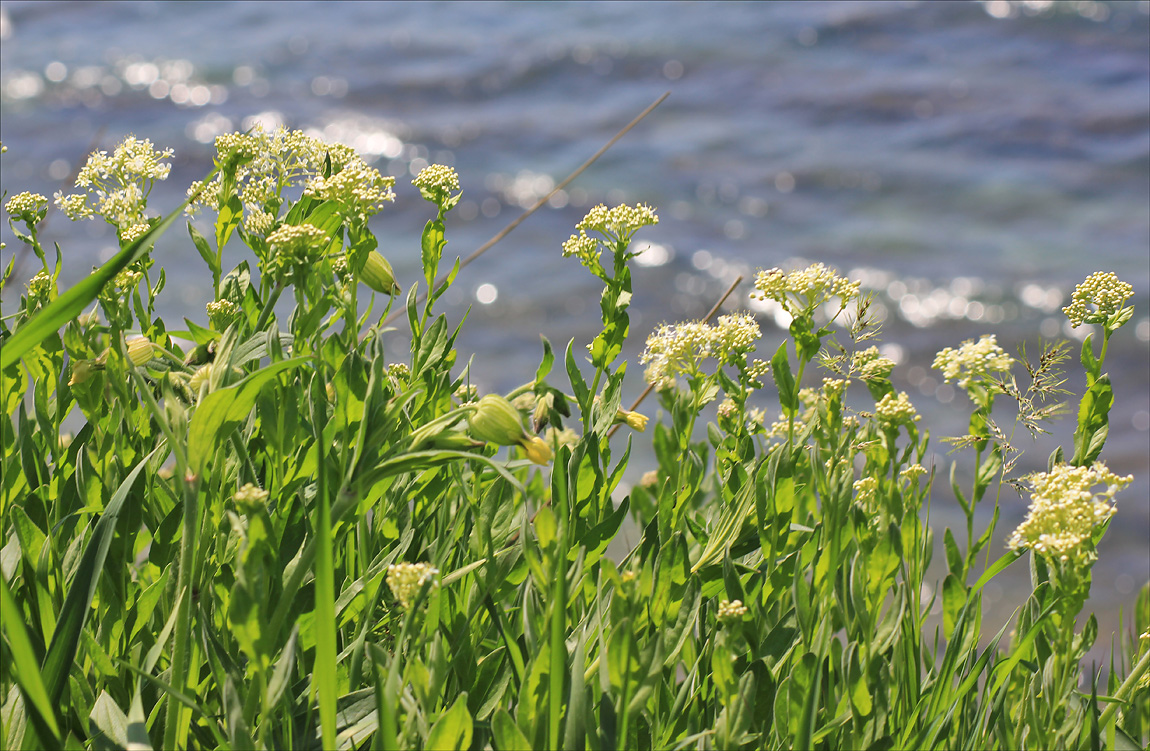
(969, 161)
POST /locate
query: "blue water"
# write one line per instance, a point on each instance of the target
(971, 162)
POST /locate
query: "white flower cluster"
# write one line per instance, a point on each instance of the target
(892, 411)
(679, 349)
(126, 280)
(360, 190)
(277, 159)
(406, 579)
(1066, 510)
(134, 232)
(912, 473)
(620, 223)
(117, 186)
(973, 361)
(734, 336)
(802, 290)
(1102, 289)
(259, 222)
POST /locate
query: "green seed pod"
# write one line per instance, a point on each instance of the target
(496, 421)
(377, 274)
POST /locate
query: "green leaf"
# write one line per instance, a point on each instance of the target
(110, 721)
(860, 696)
(954, 559)
(1093, 417)
(201, 244)
(432, 244)
(781, 370)
(508, 736)
(138, 739)
(806, 679)
(230, 216)
(578, 386)
(1088, 360)
(227, 407)
(453, 728)
(547, 361)
(26, 672)
(953, 599)
(61, 655)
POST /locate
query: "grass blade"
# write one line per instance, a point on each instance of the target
(27, 672)
(78, 602)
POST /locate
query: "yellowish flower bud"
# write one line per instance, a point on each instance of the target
(496, 421)
(82, 370)
(634, 420)
(537, 450)
(377, 274)
(140, 351)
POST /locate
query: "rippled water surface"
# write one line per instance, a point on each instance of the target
(971, 162)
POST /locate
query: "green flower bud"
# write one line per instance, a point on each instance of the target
(496, 421)
(377, 274)
(140, 351)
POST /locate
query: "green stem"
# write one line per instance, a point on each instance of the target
(269, 306)
(1126, 689)
(175, 710)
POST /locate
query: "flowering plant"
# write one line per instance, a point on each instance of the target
(276, 532)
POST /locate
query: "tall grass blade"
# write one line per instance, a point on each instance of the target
(26, 671)
(78, 602)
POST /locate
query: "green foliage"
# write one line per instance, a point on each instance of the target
(274, 533)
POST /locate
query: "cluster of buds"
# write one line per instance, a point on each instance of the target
(869, 365)
(406, 579)
(1106, 292)
(893, 411)
(973, 361)
(29, 208)
(865, 490)
(250, 497)
(439, 184)
(222, 313)
(800, 292)
(731, 611)
(495, 420)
